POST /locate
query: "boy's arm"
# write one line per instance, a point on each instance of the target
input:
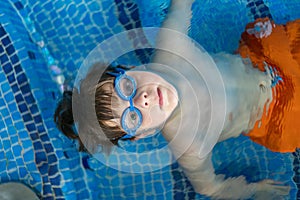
(172, 38)
(200, 173)
(179, 16)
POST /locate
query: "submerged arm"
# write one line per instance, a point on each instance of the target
(200, 173)
(179, 16)
(172, 39)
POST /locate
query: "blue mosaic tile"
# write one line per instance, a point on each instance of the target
(27, 118)
(7, 68)
(4, 111)
(33, 109)
(30, 127)
(2, 31)
(27, 144)
(16, 115)
(8, 154)
(28, 155)
(41, 16)
(5, 87)
(9, 97)
(43, 168)
(52, 159)
(25, 89)
(19, 126)
(44, 138)
(48, 189)
(23, 171)
(11, 129)
(13, 173)
(1, 49)
(42, 129)
(38, 145)
(18, 69)
(10, 50)
(2, 167)
(58, 192)
(48, 148)
(48, 5)
(11, 78)
(19, 5)
(5, 41)
(8, 121)
(3, 58)
(29, 99)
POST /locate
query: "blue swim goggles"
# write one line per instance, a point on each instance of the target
(125, 87)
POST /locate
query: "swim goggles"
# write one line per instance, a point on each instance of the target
(125, 86)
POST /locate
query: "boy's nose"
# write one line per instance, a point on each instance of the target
(143, 100)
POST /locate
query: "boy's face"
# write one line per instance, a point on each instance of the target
(155, 98)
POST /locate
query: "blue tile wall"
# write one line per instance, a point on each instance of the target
(297, 170)
(284, 11)
(32, 150)
(259, 9)
(22, 111)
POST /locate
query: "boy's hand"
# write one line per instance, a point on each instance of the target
(261, 29)
(270, 189)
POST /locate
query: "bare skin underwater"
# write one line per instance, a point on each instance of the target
(249, 91)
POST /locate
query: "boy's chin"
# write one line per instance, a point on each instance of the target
(145, 134)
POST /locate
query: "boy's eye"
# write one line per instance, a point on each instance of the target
(131, 120)
(126, 87)
(133, 116)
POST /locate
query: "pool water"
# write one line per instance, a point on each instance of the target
(44, 42)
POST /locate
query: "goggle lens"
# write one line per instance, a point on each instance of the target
(126, 87)
(131, 119)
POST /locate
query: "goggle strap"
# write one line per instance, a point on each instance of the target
(113, 74)
(131, 107)
(118, 72)
(127, 136)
